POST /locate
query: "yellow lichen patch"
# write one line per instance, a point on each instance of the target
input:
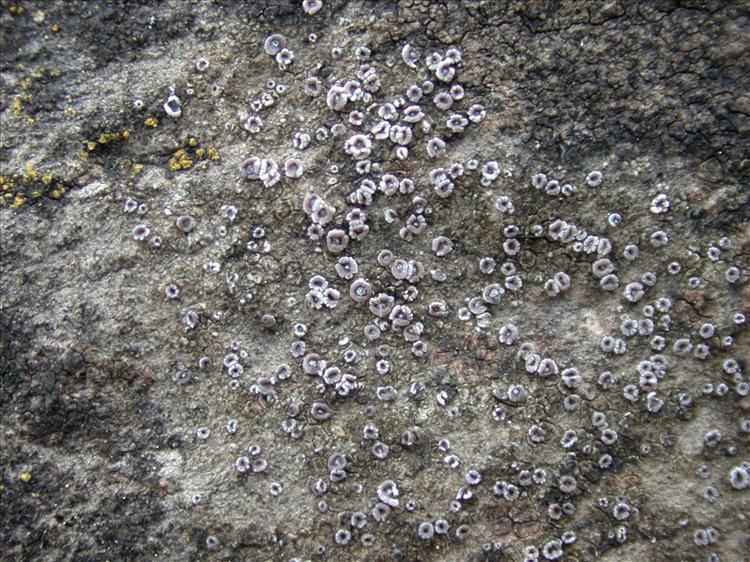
(137, 168)
(55, 27)
(17, 107)
(104, 139)
(152, 122)
(25, 477)
(180, 161)
(7, 183)
(18, 202)
(31, 174)
(29, 186)
(191, 155)
(16, 10)
(26, 83)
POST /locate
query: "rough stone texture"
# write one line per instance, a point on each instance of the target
(100, 458)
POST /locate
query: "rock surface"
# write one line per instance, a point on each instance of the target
(151, 291)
